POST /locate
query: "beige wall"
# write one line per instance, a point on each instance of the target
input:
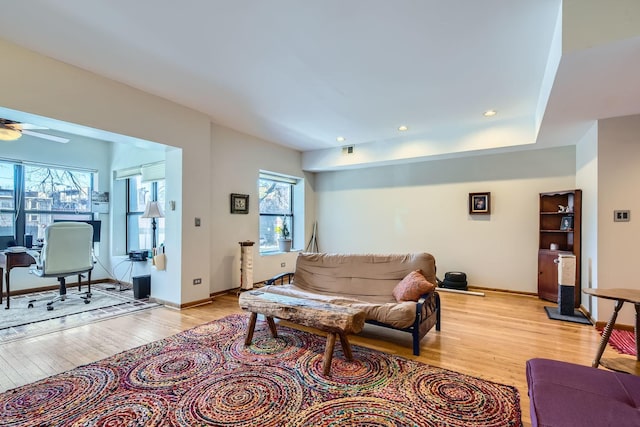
(204, 165)
(589, 23)
(39, 85)
(618, 178)
(414, 207)
(587, 181)
(424, 207)
(236, 160)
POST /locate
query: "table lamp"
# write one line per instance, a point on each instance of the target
(153, 210)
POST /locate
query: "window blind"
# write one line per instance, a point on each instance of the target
(279, 178)
(152, 172)
(127, 172)
(149, 172)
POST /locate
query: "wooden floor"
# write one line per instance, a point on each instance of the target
(489, 337)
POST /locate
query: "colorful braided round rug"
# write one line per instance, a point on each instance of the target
(206, 376)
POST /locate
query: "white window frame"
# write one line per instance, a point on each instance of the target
(296, 214)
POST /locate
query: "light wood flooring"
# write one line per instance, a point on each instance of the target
(489, 337)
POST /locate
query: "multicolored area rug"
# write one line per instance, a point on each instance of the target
(624, 342)
(206, 376)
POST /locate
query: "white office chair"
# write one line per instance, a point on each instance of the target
(67, 250)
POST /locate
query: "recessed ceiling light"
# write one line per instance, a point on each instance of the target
(490, 113)
(402, 128)
(341, 139)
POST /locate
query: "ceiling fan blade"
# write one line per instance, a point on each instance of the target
(29, 126)
(45, 136)
(20, 126)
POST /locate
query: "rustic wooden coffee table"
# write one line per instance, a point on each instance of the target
(333, 319)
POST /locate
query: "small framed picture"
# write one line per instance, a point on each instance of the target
(239, 203)
(479, 203)
(566, 223)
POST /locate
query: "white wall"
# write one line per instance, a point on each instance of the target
(83, 153)
(424, 207)
(416, 207)
(204, 165)
(589, 23)
(618, 178)
(125, 156)
(587, 181)
(236, 161)
(38, 85)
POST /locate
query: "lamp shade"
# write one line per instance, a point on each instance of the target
(153, 210)
(9, 134)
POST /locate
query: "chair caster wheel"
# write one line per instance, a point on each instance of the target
(49, 308)
(30, 305)
(87, 301)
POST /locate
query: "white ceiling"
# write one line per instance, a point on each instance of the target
(301, 73)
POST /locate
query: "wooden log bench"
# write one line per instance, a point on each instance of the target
(336, 320)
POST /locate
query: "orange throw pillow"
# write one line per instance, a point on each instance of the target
(412, 287)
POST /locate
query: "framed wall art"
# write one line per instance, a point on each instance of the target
(566, 224)
(239, 203)
(480, 203)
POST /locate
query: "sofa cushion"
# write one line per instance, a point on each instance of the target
(369, 278)
(412, 287)
(565, 394)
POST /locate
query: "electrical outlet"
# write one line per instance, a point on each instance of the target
(622, 216)
(283, 264)
(197, 281)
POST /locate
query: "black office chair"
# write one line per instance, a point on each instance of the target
(67, 250)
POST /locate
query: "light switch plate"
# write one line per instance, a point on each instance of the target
(621, 216)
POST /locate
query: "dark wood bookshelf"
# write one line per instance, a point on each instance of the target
(567, 241)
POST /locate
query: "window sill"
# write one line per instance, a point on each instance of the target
(271, 253)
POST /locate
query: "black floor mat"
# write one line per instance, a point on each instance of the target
(578, 316)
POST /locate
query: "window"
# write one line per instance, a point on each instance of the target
(276, 209)
(7, 203)
(140, 230)
(33, 196)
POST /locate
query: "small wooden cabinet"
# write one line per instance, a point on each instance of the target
(559, 232)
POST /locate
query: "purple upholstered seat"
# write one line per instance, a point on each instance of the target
(563, 394)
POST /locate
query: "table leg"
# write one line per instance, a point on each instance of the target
(607, 333)
(328, 353)
(6, 280)
(1, 284)
(272, 326)
(346, 347)
(250, 328)
(637, 331)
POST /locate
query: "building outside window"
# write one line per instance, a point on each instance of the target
(140, 230)
(34, 196)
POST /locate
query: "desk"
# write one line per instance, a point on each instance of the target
(620, 296)
(9, 260)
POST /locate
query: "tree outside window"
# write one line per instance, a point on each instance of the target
(140, 230)
(33, 196)
(276, 210)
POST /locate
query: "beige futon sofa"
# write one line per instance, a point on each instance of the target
(366, 282)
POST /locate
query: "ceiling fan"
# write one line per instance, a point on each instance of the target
(11, 130)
